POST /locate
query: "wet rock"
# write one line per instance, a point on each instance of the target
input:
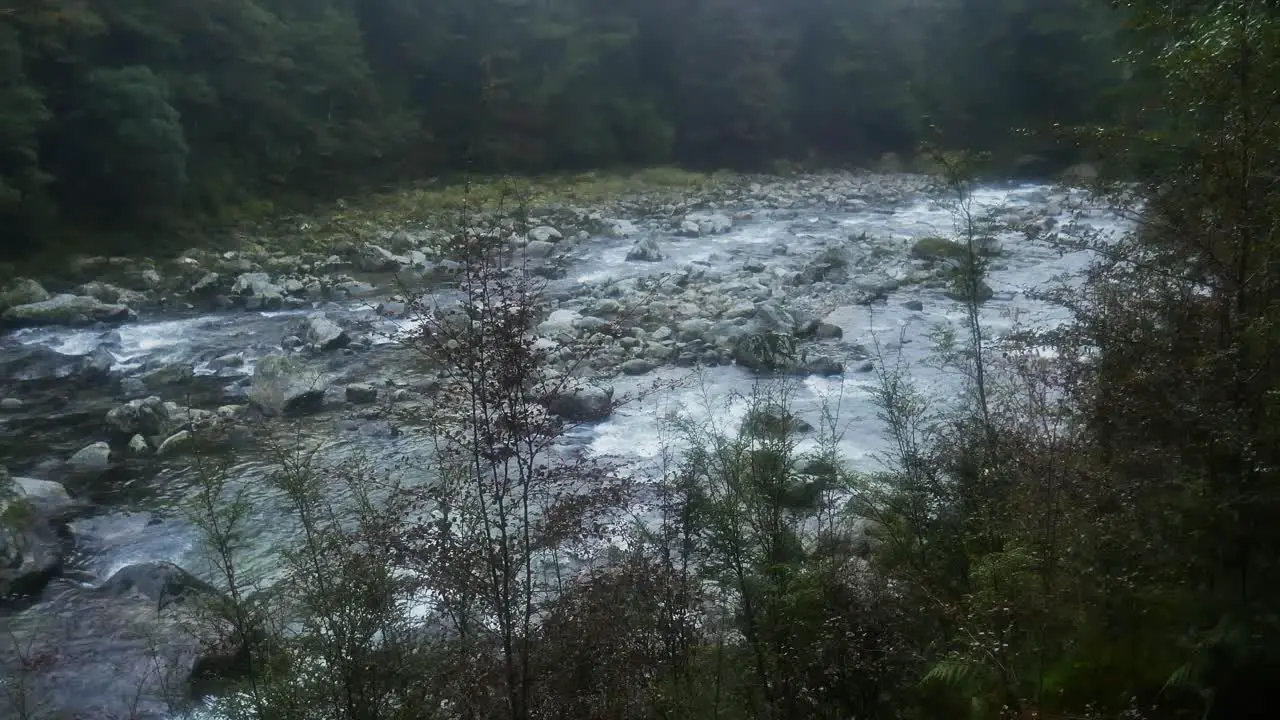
(31, 513)
(361, 394)
(324, 333)
(579, 401)
(209, 284)
(559, 322)
(545, 234)
(131, 648)
(700, 224)
(637, 366)
(148, 417)
(22, 291)
(69, 310)
(171, 376)
(827, 331)
(92, 457)
(375, 258)
(11, 405)
(257, 292)
(831, 265)
(822, 365)
(279, 387)
(539, 249)
(645, 250)
(176, 443)
(913, 305)
(774, 420)
(138, 446)
(961, 292)
(108, 293)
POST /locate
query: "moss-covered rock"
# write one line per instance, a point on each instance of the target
(70, 310)
(938, 248)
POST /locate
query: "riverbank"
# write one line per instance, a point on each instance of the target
(838, 262)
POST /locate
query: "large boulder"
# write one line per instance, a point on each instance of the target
(148, 417)
(645, 250)
(579, 401)
(69, 310)
(31, 514)
(109, 293)
(42, 365)
(132, 648)
(22, 291)
(324, 333)
(281, 388)
(91, 458)
(257, 292)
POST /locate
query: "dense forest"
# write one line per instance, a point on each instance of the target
(127, 116)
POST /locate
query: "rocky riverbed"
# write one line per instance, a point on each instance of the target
(110, 372)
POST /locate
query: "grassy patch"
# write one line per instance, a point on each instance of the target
(437, 202)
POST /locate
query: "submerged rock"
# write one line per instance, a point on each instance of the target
(578, 401)
(645, 250)
(69, 310)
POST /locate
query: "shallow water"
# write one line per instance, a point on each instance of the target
(154, 524)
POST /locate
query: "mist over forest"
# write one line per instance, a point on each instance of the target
(639, 359)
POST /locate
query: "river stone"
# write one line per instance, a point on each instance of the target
(148, 417)
(579, 401)
(92, 457)
(176, 443)
(545, 234)
(361, 393)
(324, 333)
(69, 310)
(913, 305)
(22, 291)
(109, 293)
(138, 446)
(130, 649)
(962, 294)
(11, 404)
(258, 292)
(645, 250)
(375, 258)
(539, 249)
(636, 366)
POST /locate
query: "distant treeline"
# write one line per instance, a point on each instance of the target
(125, 115)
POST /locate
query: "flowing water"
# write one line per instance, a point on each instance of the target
(146, 519)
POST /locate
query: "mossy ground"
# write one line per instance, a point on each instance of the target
(436, 203)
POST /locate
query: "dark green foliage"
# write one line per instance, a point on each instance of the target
(130, 115)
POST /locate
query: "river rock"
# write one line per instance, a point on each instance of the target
(109, 293)
(129, 649)
(31, 513)
(645, 250)
(375, 258)
(176, 443)
(279, 387)
(637, 366)
(257, 292)
(11, 404)
(324, 333)
(92, 457)
(138, 446)
(22, 291)
(148, 417)
(69, 310)
(579, 401)
(361, 393)
(545, 233)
